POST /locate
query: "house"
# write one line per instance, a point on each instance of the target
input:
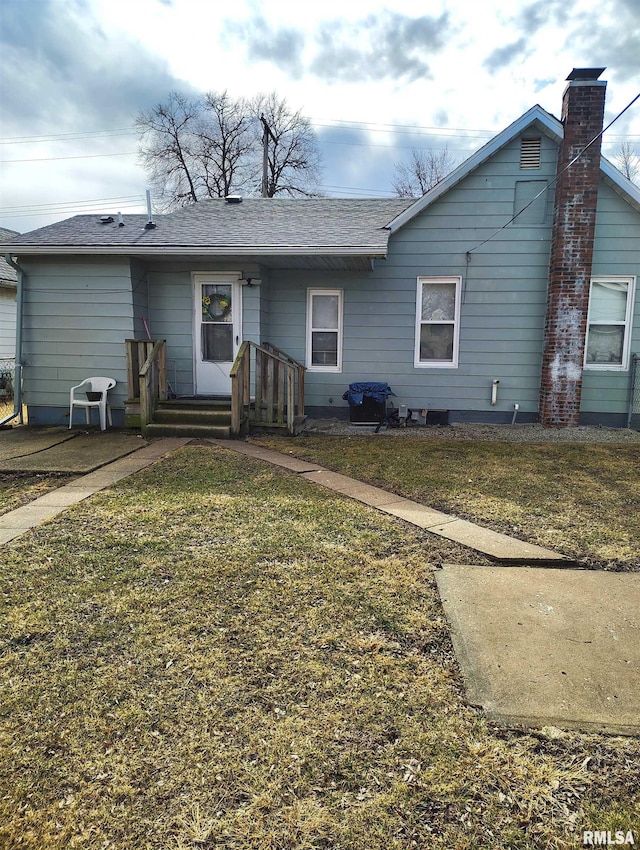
(508, 288)
(8, 279)
(7, 303)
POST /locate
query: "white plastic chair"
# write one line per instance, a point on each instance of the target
(94, 385)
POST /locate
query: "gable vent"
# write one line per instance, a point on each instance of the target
(530, 153)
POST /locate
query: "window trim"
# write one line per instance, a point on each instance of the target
(627, 324)
(311, 293)
(438, 364)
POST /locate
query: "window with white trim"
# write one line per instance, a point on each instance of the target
(609, 323)
(324, 330)
(437, 322)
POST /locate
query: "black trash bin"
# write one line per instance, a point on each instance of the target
(368, 402)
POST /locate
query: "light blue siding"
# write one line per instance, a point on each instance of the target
(77, 314)
(171, 318)
(7, 323)
(502, 311)
(140, 297)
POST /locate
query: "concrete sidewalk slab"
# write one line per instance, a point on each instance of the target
(499, 546)
(416, 514)
(28, 516)
(81, 454)
(547, 647)
(293, 464)
(366, 493)
(22, 440)
(66, 496)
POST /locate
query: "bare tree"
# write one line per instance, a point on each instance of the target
(426, 168)
(210, 145)
(226, 144)
(168, 141)
(628, 161)
(294, 164)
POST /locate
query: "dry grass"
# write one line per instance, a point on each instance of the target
(580, 499)
(215, 654)
(20, 488)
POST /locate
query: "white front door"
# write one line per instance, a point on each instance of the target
(217, 330)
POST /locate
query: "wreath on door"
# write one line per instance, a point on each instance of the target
(216, 307)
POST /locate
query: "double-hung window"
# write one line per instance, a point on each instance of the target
(324, 330)
(437, 322)
(609, 323)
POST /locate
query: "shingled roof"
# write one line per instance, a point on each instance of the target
(258, 227)
(8, 275)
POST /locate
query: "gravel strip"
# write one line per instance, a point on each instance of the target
(525, 433)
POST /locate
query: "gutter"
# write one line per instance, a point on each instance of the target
(17, 397)
(133, 249)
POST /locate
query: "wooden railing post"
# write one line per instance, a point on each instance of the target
(301, 371)
(276, 376)
(259, 385)
(290, 401)
(152, 379)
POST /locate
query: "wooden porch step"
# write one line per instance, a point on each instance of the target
(212, 417)
(176, 429)
(192, 417)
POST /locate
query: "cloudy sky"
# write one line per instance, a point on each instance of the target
(375, 78)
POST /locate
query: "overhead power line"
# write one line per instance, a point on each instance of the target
(117, 199)
(79, 156)
(67, 137)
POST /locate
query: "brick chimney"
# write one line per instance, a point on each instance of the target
(574, 218)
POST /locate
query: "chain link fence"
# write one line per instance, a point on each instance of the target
(633, 419)
(7, 386)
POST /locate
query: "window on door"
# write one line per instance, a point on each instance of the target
(217, 322)
(437, 322)
(324, 330)
(609, 323)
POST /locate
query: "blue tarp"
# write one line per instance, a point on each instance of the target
(367, 389)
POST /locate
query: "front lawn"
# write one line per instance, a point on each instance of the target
(216, 654)
(581, 499)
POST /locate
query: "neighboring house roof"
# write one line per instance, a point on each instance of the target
(8, 275)
(338, 228)
(544, 122)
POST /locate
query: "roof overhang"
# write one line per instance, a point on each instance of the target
(342, 259)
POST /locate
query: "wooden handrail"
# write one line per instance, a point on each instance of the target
(152, 381)
(276, 376)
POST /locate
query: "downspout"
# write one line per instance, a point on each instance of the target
(17, 397)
